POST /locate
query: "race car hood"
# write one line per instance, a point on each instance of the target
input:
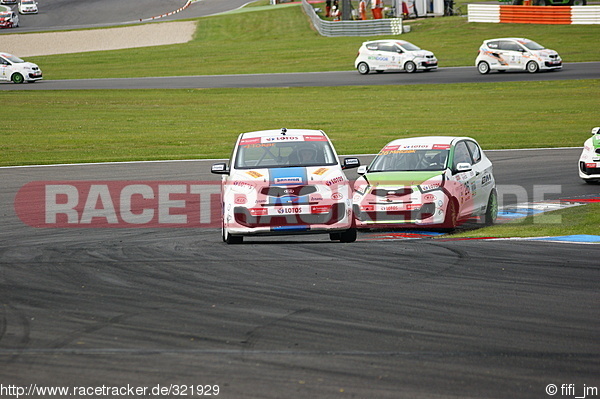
(421, 53)
(400, 178)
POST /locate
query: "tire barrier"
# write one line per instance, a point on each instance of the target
(385, 26)
(549, 15)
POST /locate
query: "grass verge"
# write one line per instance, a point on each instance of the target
(583, 219)
(124, 125)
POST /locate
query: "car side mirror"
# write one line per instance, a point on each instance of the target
(350, 163)
(463, 167)
(362, 170)
(219, 168)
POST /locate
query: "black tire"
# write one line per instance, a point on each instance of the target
(532, 67)
(17, 78)
(363, 68)
(483, 67)
(410, 67)
(491, 211)
(348, 235)
(517, 2)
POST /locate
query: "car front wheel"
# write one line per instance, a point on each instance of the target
(363, 68)
(410, 67)
(483, 67)
(532, 67)
(17, 78)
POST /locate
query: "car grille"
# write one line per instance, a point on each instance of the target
(391, 193)
(287, 191)
(243, 217)
(426, 211)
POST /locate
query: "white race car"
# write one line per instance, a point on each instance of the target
(432, 181)
(9, 19)
(515, 54)
(589, 161)
(384, 55)
(28, 7)
(285, 182)
(15, 69)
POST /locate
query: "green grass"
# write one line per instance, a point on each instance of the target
(122, 125)
(280, 39)
(576, 220)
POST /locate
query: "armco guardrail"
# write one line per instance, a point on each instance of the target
(563, 15)
(388, 26)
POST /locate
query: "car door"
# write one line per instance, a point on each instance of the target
(4, 69)
(512, 54)
(483, 180)
(464, 181)
(388, 56)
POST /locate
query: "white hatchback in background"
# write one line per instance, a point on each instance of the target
(16, 70)
(28, 7)
(589, 161)
(516, 54)
(285, 182)
(386, 55)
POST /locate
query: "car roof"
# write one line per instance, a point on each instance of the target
(398, 41)
(428, 140)
(507, 38)
(278, 132)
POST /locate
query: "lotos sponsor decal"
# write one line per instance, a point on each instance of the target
(335, 180)
(119, 204)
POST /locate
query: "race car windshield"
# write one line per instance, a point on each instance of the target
(410, 47)
(531, 45)
(13, 58)
(404, 160)
(284, 155)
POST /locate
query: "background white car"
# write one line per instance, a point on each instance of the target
(28, 7)
(516, 54)
(9, 19)
(285, 182)
(589, 161)
(385, 55)
(15, 69)
(426, 181)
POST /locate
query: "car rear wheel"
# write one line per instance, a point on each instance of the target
(344, 236)
(410, 67)
(17, 78)
(532, 67)
(483, 67)
(491, 212)
(363, 68)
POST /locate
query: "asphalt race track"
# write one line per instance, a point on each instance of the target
(170, 311)
(298, 317)
(583, 70)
